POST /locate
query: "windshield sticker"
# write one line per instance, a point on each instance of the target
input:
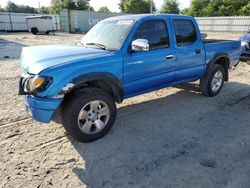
(124, 22)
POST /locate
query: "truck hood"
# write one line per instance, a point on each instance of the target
(38, 58)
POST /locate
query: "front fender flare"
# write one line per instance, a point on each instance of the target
(80, 81)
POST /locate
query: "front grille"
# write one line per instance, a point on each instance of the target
(23, 84)
(247, 46)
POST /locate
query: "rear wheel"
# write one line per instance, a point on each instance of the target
(88, 114)
(47, 32)
(34, 31)
(212, 83)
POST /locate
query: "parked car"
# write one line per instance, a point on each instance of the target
(40, 24)
(245, 47)
(120, 57)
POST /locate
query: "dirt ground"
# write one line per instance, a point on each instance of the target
(173, 138)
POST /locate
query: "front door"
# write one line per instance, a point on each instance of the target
(149, 70)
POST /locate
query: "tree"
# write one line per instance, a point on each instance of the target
(245, 11)
(170, 6)
(12, 7)
(218, 8)
(185, 11)
(136, 6)
(213, 8)
(232, 7)
(2, 9)
(198, 7)
(104, 9)
(57, 5)
(43, 10)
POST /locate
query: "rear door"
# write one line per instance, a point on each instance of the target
(189, 48)
(149, 70)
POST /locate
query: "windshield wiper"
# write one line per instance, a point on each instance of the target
(101, 46)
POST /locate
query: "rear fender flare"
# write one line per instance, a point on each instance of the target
(214, 60)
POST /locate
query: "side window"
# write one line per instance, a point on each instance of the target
(185, 32)
(155, 32)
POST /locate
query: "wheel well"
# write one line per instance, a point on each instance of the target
(113, 89)
(224, 61)
(34, 28)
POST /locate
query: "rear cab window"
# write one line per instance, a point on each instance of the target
(155, 31)
(185, 32)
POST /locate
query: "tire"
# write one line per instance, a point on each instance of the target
(209, 86)
(34, 30)
(47, 32)
(78, 114)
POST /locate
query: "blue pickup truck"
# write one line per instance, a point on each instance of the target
(120, 57)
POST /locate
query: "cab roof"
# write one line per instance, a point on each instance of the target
(141, 16)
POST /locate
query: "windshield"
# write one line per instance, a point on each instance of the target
(108, 35)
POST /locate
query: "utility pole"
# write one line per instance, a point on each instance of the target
(151, 6)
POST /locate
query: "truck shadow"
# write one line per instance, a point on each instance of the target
(161, 142)
(192, 87)
(10, 49)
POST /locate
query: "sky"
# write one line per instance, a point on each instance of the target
(111, 4)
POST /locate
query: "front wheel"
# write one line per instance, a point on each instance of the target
(212, 83)
(88, 114)
(34, 30)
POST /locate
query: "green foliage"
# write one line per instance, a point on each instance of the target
(43, 10)
(170, 7)
(104, 9)
(245, 10)
(185, 11)
(136, 6)
(213, 8)
(12, 7)
(231, 8)
(198, 7)
(218, 8)
(57, 5)
(2, 9)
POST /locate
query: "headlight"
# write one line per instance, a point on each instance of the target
(244, 43)
(37, 83)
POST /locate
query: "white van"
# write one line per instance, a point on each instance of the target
(40, 24)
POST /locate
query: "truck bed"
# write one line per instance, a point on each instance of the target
(230, 47)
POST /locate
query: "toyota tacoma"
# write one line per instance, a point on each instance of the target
(120, 57)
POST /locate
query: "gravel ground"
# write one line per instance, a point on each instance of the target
(173, 137)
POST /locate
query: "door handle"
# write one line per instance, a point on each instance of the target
(198, 51)
(169, 56)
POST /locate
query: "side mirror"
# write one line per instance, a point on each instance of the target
(203, 35)
(140, 45)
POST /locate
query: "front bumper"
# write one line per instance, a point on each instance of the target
(41, 109)
(245, 57)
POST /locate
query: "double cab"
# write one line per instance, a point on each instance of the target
(120, 57)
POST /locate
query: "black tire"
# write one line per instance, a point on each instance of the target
(206, 82)
(34, 31)
(47, 32)
(72, 106)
